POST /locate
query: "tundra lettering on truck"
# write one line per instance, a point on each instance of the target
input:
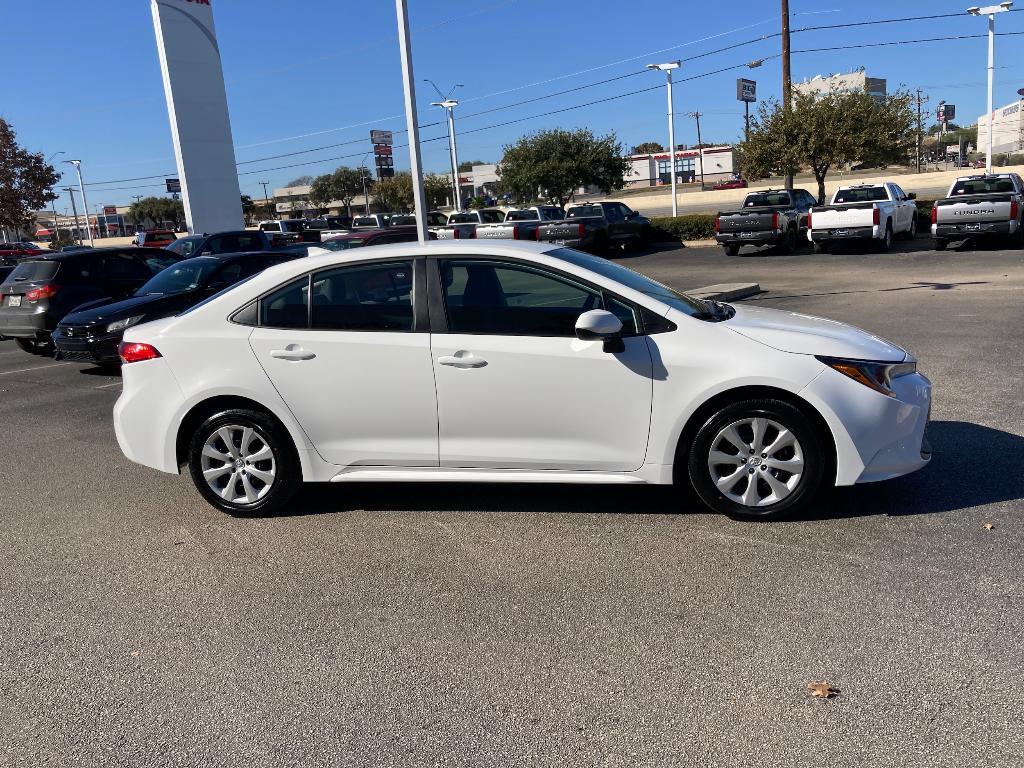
(974, 212)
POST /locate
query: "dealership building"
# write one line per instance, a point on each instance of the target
(653, 170)
(1007, 129)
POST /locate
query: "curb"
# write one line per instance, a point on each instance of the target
(726, 291)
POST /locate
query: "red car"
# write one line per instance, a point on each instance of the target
(154, 238)
(731, 184)
(11, 253)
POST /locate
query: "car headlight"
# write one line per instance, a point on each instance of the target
(878, 376)
(120, 325)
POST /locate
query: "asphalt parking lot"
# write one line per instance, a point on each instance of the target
(501, 625)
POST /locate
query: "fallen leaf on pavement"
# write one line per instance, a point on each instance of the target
(821, 690)
(988, 526)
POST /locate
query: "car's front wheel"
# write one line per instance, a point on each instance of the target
(243, 462)
(36, 347)
(757, 458)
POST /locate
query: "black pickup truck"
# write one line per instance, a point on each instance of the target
(773, 217)
(595, 227)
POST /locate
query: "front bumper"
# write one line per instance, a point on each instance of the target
(83, 348)
(842, 233)
(877, 437)
(771, 237)
(973, 229)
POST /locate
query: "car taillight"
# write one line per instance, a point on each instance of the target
(935, 215)
(718, 224)
(136, 352)
(472, 235)
(583, 229)
(810, 214)
(775, 220)
(42, 292)
(456, 235)
(536, 234)
(876, 216)
(1013, 210)
(515, 233)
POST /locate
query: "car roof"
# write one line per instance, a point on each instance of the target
(231, 256)
(67, 255)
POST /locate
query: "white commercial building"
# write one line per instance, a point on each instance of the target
(850, 81)
(1007, 129)
(652, 170)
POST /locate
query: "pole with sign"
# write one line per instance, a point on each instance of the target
(746, 91)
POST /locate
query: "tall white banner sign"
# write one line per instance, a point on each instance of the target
(198, 109)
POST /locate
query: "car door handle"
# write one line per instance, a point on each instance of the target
(462, 360)
(292, 352)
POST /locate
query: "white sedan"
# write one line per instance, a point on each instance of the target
(510, 362)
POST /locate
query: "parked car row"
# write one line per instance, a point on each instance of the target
(980, 206)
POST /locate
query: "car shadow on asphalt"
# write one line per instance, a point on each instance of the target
(971, 465)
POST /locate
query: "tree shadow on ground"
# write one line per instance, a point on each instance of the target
(971, 465)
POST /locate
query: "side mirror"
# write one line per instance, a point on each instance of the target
(912, 196)
(599, 324)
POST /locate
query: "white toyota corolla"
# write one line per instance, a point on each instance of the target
(488, 362)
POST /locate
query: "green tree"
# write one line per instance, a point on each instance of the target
(26, 180)
(467, 165)
(394, 193)
(321, 192)
(301, 181)
(157, 212)
(248, 209)
(821, 131)
(343, 185)
(437, 190)
(557, 162)
(647, 148)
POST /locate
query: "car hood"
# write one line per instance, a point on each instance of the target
(809, 335)
(151, 305)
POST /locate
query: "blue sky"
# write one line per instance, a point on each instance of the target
(312, 73)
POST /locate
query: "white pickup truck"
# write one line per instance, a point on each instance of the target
(520, 224)
(462, 225)
(875, 213)
(980, 206)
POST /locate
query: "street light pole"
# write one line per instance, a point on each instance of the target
(77, 234)
(85, 202)
(667, 69)
(990, 11)
(449, 104)
(787, 80)
(408, 85)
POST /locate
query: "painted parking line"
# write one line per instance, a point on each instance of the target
(35, 368)
(111, 384)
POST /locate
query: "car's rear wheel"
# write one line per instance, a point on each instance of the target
(883, 245)
(36, 346)
(819, 247)
(731, 249)
(912, 230)
(243, 462)
(757, 459)
(788, 242)
(939, 245)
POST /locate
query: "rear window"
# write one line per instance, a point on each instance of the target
(583, 211)
(768, 198)
(364, 221)
(462, 218)
(521, 216)
(981, 187)
(34, 270)
(403, 221)
(491, 217)
(861, 195)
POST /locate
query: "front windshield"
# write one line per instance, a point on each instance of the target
(181, 277)
(342, 243)
(631, 279)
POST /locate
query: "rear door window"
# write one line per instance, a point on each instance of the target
(287, 307)
(375, 297)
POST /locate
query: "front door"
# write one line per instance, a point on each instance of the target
(352, 365)
(516, 389)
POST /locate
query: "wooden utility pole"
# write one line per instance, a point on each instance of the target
(920, 101)
(700, 150)
(787, 81)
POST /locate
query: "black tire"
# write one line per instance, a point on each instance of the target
(1017, 238)
(731, 249)
(36, 347)
(911, 234)
(283, 463)
(939, 245)
(883, 245)
(600, 245)
(809, 441)
(819, 247)
(788, 242)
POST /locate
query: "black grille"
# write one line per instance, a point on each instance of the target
(77, 357)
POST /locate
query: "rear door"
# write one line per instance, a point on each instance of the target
(354, 364)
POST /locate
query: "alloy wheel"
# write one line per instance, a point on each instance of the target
(755, 462)
(238, 464)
